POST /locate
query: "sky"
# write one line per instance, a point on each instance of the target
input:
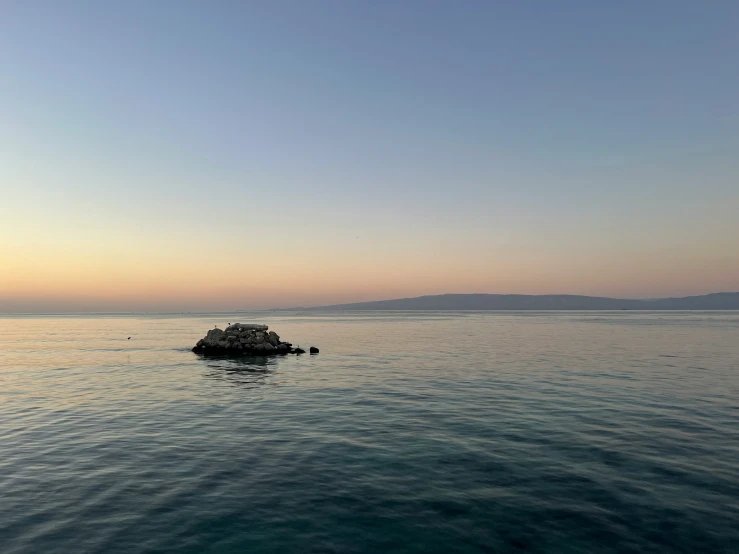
(193, 155)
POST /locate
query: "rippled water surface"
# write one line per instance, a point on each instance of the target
(409, 432)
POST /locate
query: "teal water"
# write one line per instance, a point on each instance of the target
(409, 432)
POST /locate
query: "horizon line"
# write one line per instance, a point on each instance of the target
(329, 306)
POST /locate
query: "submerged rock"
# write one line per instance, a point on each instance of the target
(313, 350)
(241, 339)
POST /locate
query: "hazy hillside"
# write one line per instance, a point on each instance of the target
(716, 301)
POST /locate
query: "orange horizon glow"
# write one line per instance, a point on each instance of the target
(139, 280)
(88, 265)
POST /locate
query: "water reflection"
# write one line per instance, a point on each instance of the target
(244, 370)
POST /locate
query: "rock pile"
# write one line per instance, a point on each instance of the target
(243, 338)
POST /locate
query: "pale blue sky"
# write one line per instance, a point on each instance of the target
(583, 133)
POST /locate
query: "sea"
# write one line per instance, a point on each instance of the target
(410, 432)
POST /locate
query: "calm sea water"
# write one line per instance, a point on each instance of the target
(409, 432)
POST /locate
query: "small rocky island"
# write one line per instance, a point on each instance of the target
(244, 338)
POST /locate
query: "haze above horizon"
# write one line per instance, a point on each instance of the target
(184, 156)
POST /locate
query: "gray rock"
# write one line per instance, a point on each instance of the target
(213, 337)
(214, 334)
(239, 338)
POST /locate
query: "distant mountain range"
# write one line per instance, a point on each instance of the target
(716, 301)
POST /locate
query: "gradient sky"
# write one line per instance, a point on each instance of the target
(224, 155)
